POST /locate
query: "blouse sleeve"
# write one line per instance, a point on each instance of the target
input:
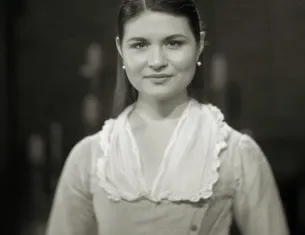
(72, 211)
(257, 205)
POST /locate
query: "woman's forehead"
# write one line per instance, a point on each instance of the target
(156, 24)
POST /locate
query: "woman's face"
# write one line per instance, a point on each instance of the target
(159, 52)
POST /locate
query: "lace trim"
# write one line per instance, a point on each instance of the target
(206, 192)
(221, 144)
(106, 136)
(207, 188)
(112, 194)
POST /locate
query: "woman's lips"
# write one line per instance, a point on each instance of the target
(159, 80)
(158, 75)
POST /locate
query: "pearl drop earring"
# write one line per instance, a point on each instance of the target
(123, 67)
(198, 63)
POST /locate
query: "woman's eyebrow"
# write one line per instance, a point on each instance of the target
(136, 39)
(175, 36)
(167, 38)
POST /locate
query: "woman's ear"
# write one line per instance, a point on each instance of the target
(201, 43)
(118, 45)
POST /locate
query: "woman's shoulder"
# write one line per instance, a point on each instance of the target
(234, 137)
(82, 152)
(236, 141)
(244, 153)
(241, 142)
(84, 145)
(88, 144)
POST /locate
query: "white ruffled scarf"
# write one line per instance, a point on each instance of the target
(190, 165)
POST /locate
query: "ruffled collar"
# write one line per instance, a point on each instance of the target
(190, 165)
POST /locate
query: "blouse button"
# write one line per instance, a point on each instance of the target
(194, 227)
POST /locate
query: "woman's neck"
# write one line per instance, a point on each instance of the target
(159, 110)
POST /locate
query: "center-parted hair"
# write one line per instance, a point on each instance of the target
(125, 94)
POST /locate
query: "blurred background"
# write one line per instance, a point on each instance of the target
(57, 73)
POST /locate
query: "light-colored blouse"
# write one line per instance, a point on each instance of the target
(210, 174)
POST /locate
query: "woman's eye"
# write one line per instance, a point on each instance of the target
(139, 45)
(174, 44)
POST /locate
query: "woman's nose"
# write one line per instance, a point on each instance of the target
(157, 60)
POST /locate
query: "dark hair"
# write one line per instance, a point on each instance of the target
(125, 94)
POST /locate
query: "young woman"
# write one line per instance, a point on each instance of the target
(166, 162)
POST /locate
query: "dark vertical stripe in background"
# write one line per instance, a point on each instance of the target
(3, 109)
(14, 157)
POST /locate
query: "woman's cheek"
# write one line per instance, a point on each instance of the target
(183, 60)
(136, 60)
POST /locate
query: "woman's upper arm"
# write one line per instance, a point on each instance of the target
(72, 211)
(257, 204)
